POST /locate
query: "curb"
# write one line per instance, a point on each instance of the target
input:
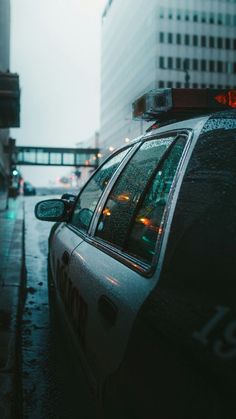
(11, 302)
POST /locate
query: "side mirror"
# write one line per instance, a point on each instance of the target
(51, 210)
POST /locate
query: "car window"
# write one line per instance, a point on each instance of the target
(147, 223)
(127, 192)
(90, 195)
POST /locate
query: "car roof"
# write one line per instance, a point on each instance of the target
(194, 123)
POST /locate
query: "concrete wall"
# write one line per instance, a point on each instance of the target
(4, 66)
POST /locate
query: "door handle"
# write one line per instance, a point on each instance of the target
(107, 309)
(65, 258)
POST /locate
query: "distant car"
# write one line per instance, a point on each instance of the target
(143, 262)
(28, 189)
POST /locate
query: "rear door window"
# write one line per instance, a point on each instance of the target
(147, 224)
(132, 216)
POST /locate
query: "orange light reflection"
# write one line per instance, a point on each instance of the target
(106, 211)
(112, 280)
(123, 197)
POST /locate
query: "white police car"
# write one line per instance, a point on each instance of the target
(144, 261)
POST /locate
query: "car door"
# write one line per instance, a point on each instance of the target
(69, 235)
(113, 267)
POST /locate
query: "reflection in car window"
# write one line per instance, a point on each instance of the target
(92, 192)
(125, 196)
(147, 225)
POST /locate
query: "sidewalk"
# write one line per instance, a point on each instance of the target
(11, 277)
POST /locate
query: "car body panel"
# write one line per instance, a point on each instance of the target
(62, 240)
(91, 272)
(151, 341)
(187, 324)
(97, 275)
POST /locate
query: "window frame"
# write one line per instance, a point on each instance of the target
(134, 263)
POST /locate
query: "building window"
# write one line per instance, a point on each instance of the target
(186, 39)
(212, 18)
(219, 66)
(170, 84)
(170, 14)
(219, 43)
(195, 85)
(178, 84)
(162, 62)
(187, 15)
(203, 65)
(195, 40)
(227, 43)
(234, 43)
(228, 20)
(178, 15)
(220, 19)
(161, 37)
(195, 17)
(211, 66)
(161, 13)
(228, 68)
(170, 62)
(203, 17)
(195, 64)
(178, 63)
(186, 63)
(234, 68)
(170, 38)
(178, 38)
(203, 41)
(211, 42)
(161, 83)
(203, 86)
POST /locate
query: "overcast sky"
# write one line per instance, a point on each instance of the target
(55, 48)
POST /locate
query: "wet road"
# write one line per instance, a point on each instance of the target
(54, 385)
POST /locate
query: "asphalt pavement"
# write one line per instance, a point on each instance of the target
(40, 373)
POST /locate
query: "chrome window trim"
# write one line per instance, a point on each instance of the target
(194, 136)
(126, 259)
(106, 193)
(133, 263)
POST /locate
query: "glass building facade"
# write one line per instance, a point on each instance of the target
(147, 45)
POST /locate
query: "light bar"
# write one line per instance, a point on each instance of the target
(158, 102)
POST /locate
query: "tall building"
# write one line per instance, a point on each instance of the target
(9, 101)
(161, 43)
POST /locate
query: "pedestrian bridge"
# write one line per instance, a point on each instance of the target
(53, 156)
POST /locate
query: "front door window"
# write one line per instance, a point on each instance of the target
(90, 195)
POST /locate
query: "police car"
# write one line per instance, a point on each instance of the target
(144, 262)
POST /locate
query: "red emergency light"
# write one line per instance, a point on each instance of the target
(227, 98)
